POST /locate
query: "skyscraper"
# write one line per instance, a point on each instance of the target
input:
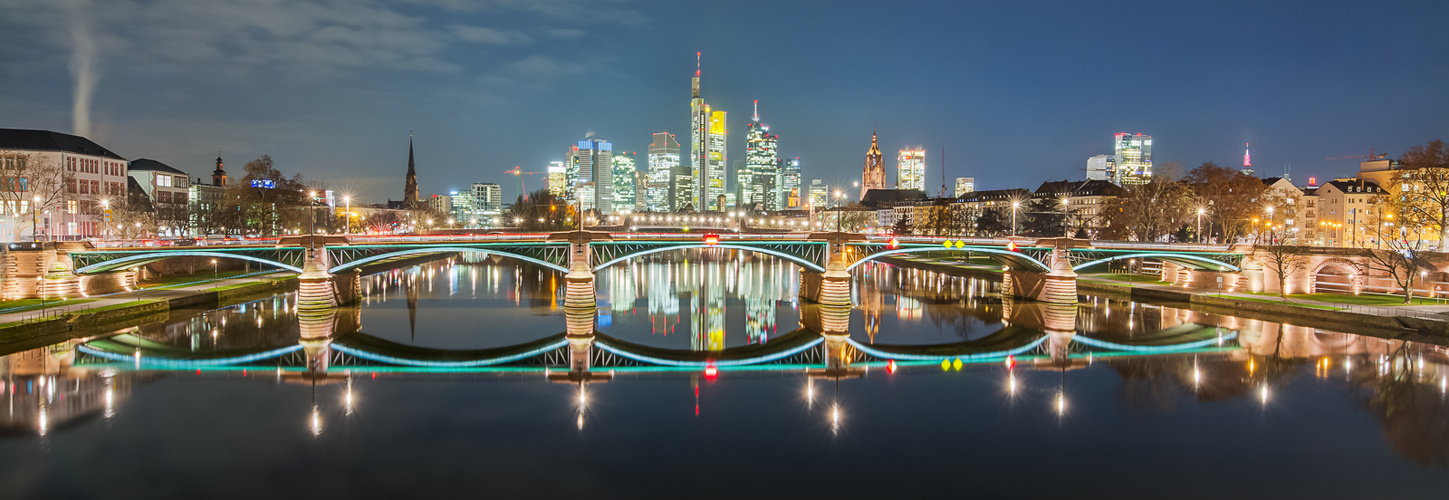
(1101, 167)
(625, 168)
(489, 197)
(663, 163)
(687, 194)
(712, 179)
(592, 163)
(557, 179)
(760, 181)
(790, 183)
(874, 175)
(819, 195)
(1133, 159)
(965, 185)
(911, 169)
(410, 189)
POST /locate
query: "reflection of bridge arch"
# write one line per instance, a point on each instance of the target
(436, 250)
(640, 253)
(1014, 258)
(1194, 262)
(141, 259)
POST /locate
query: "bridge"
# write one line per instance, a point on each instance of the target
(1038, 269)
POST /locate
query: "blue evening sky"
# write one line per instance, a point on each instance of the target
(1016, 92)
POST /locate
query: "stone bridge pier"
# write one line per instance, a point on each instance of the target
(1056, 286)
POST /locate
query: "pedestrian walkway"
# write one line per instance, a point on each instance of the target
(165, 292)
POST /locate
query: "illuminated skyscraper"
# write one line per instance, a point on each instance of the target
(557, 179)
(911, 169)
(624, 175)
(712, 179)
(965, 185)
(1133, 159)
(663, 163)
(1101, 167)
(790, 183)
(687, 194)
(874, 175)
(819, 195)
(591, 162)
(759, 181)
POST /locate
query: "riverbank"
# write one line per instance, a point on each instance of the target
(1427, 323)
(18, 330)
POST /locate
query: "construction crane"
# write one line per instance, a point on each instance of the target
(1370, 156)
(518, 172)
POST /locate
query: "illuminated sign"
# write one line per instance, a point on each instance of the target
(264, 184)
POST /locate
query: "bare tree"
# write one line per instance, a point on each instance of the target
(30, 182)
(1421, 189)
(1285, 261)
(1403, 260)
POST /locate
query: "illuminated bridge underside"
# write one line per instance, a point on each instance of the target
(808, 254)
(1083, 259)
(1031, 259)
(289, 258)
(801, 347)
(551, 255)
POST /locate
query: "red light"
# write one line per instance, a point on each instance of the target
(1312, 181)
(1010, 362)
(711, 239)
(891, 366)
(711, 372)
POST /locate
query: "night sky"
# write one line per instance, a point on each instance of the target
(1016, 92)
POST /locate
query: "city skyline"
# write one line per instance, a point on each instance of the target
(343, 124)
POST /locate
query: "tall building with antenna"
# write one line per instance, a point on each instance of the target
(707, 158)
(759, 182)
(1247, 160)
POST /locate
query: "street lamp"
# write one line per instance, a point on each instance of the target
(1200, 211)
(215, 274)
(34, 225)
(311, 211)
(348, 200)
(1014, 206)
(838, 196)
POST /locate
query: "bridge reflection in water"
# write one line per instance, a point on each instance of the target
(1210, 357)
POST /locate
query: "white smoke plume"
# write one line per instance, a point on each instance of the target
(82, 63)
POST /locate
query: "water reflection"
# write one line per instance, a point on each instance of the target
(909, 326)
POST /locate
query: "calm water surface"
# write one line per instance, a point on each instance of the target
(1182, 404)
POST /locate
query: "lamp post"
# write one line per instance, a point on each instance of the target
(838, 196)
(1014, 206)
(348, 200)
(215, 274)
(34, 224)
(312, 212)
(106, 214)
(1199, 224)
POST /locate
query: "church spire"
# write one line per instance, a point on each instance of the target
(410, 189)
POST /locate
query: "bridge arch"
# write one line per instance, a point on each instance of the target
(433, 250)
(1015, 258)
(793, 258)
(147, 258)
(1190, 261)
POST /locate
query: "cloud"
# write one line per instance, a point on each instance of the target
(564, 32)
(486, 35)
